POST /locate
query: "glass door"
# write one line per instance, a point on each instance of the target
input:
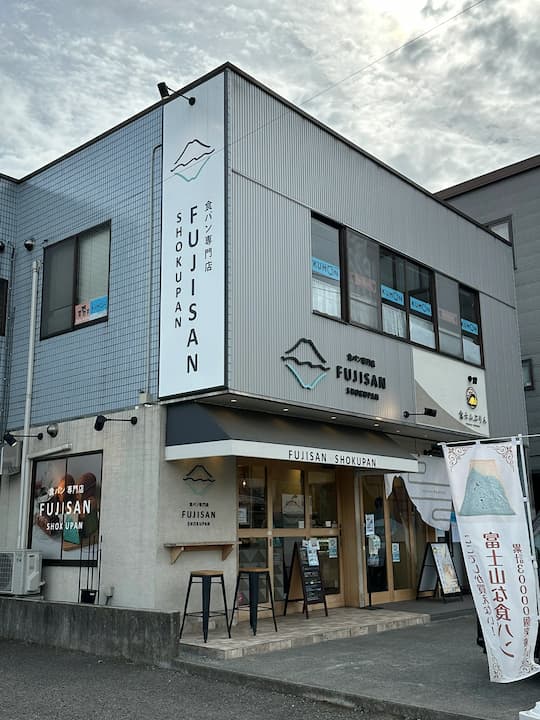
(279, 505)
(390, 540)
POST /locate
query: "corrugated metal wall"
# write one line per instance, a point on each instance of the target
(282, 168)
(519, 197)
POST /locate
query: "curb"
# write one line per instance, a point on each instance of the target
(360, 703)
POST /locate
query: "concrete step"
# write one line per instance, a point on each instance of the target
(295, 631)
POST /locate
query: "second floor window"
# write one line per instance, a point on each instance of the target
(355, 279)
(325, 268)
(76, 281)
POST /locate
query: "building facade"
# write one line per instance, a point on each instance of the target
(236, 331)
(507, 201)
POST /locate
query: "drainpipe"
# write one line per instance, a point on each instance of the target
(149, 286)
(6, 364)
(25, 462)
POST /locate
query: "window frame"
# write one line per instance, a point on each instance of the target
(346, 233)
(406, 307)
(508, 220)
(529, 363)
(62, 560)
(344, 311)
(75, 240)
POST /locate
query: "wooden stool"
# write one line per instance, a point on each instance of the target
(205, 577)
(253, 575)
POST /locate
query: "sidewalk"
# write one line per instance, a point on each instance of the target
(430, 671)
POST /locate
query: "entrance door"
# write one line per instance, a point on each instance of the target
(392, 532)
(280, 504)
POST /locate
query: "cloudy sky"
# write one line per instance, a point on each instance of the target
(460, 101)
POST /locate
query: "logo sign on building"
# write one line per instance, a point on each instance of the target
(492, 522)
(457, 390)
(192, 321)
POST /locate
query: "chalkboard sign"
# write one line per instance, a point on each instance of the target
(438, 570)
(305, 578)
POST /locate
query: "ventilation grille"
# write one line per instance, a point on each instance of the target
(6, 572)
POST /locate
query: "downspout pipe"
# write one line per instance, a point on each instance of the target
(149, 287)
(24, 497)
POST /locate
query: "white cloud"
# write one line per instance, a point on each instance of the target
(457, 103)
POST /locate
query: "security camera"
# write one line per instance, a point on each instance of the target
(29, 244)
(2, 246)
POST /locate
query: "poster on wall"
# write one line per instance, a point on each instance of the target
(192, 319)
(65, 508)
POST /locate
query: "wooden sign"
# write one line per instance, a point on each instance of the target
(305, 581)
(438, 570)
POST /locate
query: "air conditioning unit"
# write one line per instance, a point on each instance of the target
(20, 572)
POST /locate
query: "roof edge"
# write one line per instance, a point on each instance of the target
(233, 68)
(494, 176)
(123, 123)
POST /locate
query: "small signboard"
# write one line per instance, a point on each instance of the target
(438, 570)
(305, 581)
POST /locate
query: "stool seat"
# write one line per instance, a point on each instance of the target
(205, 578)
(253, 574)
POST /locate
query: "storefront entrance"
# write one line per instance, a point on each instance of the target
(280, 504)
(394, 541)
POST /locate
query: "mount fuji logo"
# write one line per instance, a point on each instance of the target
(306, 363)
(199, 479)
(191, 161)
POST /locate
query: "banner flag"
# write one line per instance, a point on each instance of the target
(429, 491)
(490, 511)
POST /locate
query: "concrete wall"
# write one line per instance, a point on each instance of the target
(129, 506)
(137, 635)
(177, 496)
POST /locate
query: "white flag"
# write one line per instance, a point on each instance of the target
(491, 518)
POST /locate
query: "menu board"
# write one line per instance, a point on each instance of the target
(305, 577)
(438, 570)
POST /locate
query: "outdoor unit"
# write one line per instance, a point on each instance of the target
(20, 572)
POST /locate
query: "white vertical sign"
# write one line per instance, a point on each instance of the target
(192, 319)
(490, 513)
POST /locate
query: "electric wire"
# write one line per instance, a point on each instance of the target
(356, 73)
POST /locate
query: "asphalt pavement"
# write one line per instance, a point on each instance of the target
(426, 672)
(432, 672)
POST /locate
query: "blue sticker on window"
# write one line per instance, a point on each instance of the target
(321, 267)
(420, 306)
(469, 327)
(395, 296)
(98, 307)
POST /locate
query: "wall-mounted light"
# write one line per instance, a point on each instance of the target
(472, 379)
(434, 451)
(52, 430)
(431, 412)
(101, 420)
(11, 440)
(165, 91)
